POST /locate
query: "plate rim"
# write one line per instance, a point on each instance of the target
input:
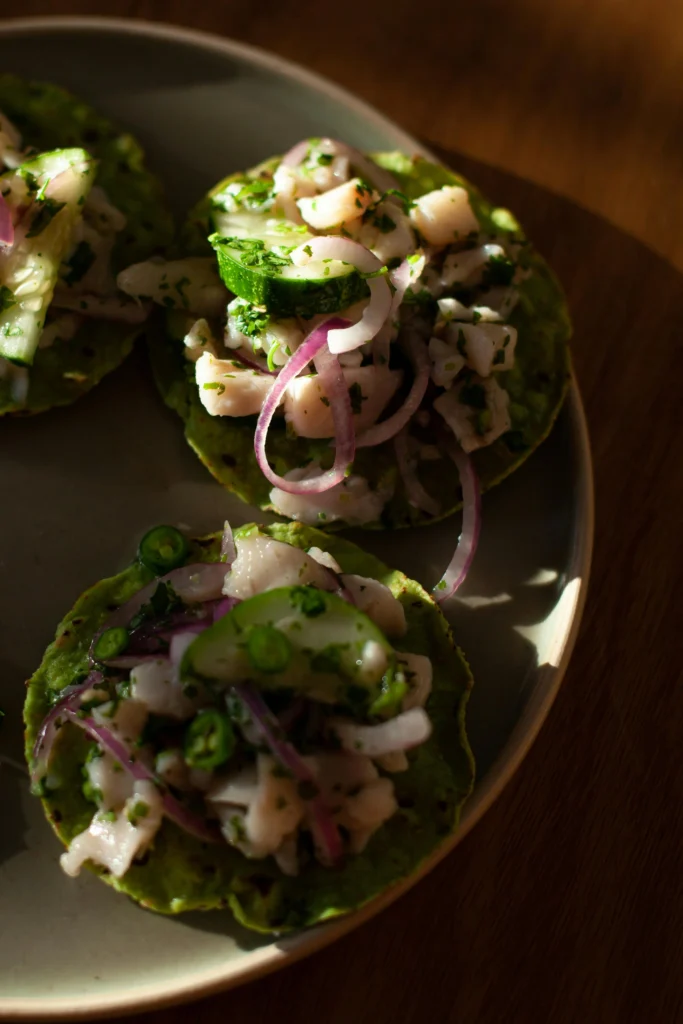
(280, 953)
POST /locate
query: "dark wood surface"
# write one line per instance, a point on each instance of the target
(565, 904)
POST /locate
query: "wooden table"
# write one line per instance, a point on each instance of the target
(565, 904)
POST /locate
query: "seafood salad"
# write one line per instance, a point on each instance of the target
(270, 721)
(72, 192)
(379, 321)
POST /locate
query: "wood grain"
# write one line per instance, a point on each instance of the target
(566, 903)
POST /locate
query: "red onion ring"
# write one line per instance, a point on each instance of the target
(173, 809)
(463, 555)
(70, 698)
(223, 607)
(415, 493)
(372, 172)
(211, 574)
(334, 247)
(388, 428)
(339, 403)
(370, 324)
(323, 825)
(6, 223)
(294, 156)
(344, 250)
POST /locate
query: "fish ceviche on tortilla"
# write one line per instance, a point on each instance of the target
(76, 207)
(378, 316)
(271, 722)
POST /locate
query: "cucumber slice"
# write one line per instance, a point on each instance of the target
(302, 639)
(55, 185)
(252, 246)
(267, 278)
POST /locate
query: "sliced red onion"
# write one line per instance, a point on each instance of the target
(464, 553)
(201, 582)
(415, 493)
(228, 549)
(388, 428)
(334, 247)
(126, 662)
(407, 730)
(294, 156)
(371, 322)
(111, 308)
(173, 809)
(369, 170)
(70, 698)
(6, 224)
(341, 413)
(251, 364)
(323, 825)
(201, 578)
(223, 607)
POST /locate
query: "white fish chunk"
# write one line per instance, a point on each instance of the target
(444, 215)
(308, 409)
(352, 500)
(229, 390)
(476, 428)
(263, 564)
(115, 844)
(378, 603)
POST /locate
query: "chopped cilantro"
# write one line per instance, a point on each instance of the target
(251, 320)
(384, 223)
(499, 270)
(80, 263)
(178, 287)
(48, 209)
(357, 397)
(308, 600)
(214, 386)
(138, 811)
(255, 254)
(163, 601)
(407, 204)
(6, 298)
(255, 194)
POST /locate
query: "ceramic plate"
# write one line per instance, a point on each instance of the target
(79, 488)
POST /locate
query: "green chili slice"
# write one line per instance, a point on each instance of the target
(162, 549)
(209, 740)
(269, 649)
(111, 643)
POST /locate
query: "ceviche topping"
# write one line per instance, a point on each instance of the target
(58, 230)
(257, 701)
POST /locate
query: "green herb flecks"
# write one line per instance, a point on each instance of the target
(7, 299)
(250, 320)
(79, 264)
(357, 398)
(47, 211)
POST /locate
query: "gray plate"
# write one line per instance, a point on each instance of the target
(80, 485)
